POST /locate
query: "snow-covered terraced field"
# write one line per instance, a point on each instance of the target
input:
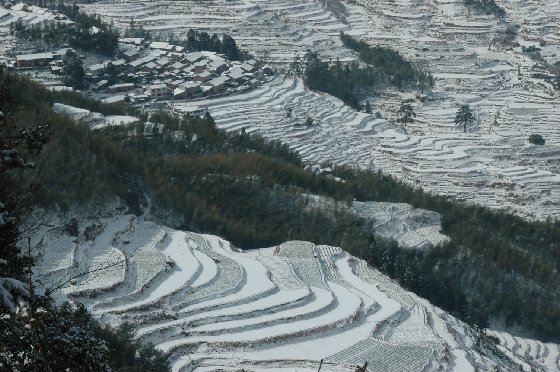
(454, 43)
(535, 353)
(215, 307)
(494, 166)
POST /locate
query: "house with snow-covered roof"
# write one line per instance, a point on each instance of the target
(193, 57)
(236, 74)
(187, 90)
(203, 77)
(159, 91)
(33, 60)
(161, 45)
(217, 66)
(199, 66)
(218, 84)
(117, 88)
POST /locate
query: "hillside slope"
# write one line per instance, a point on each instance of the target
(287, 307)
(475, 59)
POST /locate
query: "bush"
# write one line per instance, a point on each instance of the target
(536, 139)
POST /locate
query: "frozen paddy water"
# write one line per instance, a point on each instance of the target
(213, 306)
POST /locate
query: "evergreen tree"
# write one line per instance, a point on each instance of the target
(229, 48)
(110, 73)
(536, 139)
(406, 113)
(72, 70)
(464, 117)
(204, 42)
(192, 40)
(216, 43)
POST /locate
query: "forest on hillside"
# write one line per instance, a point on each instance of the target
(497, 267)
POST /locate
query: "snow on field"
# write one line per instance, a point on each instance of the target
(285, 308)
(459, 49)
(433, 153)
(535, 353)
(411, 227)
(94, 120)
(120, 120)
(456, 45)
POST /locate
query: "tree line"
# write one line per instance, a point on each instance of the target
(88, 33)
(392, 66)
(201, 40)
(497, 267)
(345, 82)
(36, 334)
(486, 7)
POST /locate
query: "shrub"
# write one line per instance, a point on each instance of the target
(536, 139)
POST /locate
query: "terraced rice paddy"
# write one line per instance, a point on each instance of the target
(493, 164)
(212, 306)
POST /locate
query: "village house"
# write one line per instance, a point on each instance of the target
(96, 69)
(249, 66)
(101, 85)
(130, 54)
(120, 64)
(199, 66)
(114, 99)
(192, 58)
(177, 66)
(203, 77)
(33, 60)
(56, 70)
(217, 66)
(138, 63)
(159, 91)
(175, 83)
(150, 67)
(179, 93)
(253, 83)
(117, 88)
(218, 84)
(237, 74)
(191, 89)
(161, 45)
(206, 89)
(138, 98)
(163, 61)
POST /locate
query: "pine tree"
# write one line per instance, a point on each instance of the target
(229, 48)
(110, 73)
(406, 113)
(216, 43)
(72, 70)
(464, 117)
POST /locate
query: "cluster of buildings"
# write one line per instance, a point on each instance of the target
(53, 60)
(147, 71)
(162, 71)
